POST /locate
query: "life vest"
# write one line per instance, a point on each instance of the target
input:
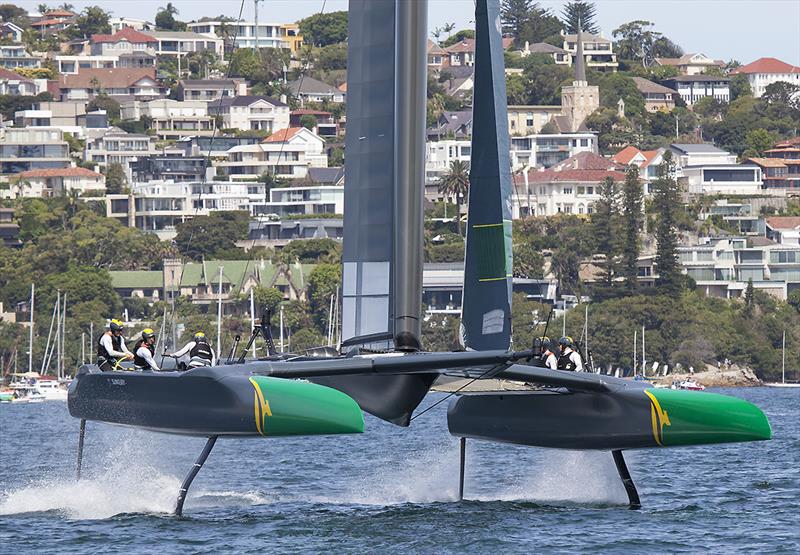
(564, 361)
(138, 361)
(201, 354)
(116, 342)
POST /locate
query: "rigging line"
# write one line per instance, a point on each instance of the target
(274, 173)
(446, 397)
(210, 149)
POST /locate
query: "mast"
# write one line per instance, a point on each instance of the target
(281, 330)
(49, 335)
(635, 341)
(30, 337)
(253, 317)
(409, 169)
(644, 367)
(219, 313)
(58, 337)
(91, 338)
(783, 358)
(62, 373)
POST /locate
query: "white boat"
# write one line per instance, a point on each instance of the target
(689, 385)
(783, 382)
(51, 390)
(32, 388)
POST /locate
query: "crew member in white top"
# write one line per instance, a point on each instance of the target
(111, 347)
(144, 350)
(199, 351)
(570, 359)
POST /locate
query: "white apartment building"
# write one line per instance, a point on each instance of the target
(180, 43)
(723, 267)
(691, 64)
(247, 35)
(158, 206)
(251, 113)
(597, 51)
(119, 23)
(305, 200)
(545, 150)
(171, 118)
(119, 147)
(71, 65)
(692, 88)
(706, 169)
(438, 157)
(765, 71)
(32, 149)
(15, 56)
(286, 154)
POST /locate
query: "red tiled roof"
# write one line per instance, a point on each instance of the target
(587, 161)
(60, 13)
(126, 33)
(507, 42)
(767, 162)
(114, 78)
(767, 65)
(466, 45)
(343, 87)
(784, 222)
(60, 172)
(306, 112)
(46, 22)
(283, 135)
(625, 155)
(8, 74)
(649, 155)
(583, 176)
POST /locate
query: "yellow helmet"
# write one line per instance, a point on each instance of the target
(199, 335)
(115, 325)
(148, 334)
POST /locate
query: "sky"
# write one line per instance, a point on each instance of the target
(742, 30)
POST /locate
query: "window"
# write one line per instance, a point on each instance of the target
(584, 142)
(567, 190)
(581, 190)
(589, 190)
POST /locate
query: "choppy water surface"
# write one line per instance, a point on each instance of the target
(390, 490)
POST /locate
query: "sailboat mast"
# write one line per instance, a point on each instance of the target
(635, 341)
(30, 338)
(783, 358)
(253, 316)
(57, 346)
(644, 367)
(49, 336)
(62, 372)
(219, 313)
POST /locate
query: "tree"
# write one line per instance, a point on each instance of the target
(459, 37)
(331, 57)
(205, 236)
(312, 251)
(93, 20)
(322, 283)
(631, 222)
(10, 12)
(782, 92)
(515, 14)
(323, 29)
(528, 260)
(455, 183)
(739, 86)
(267, 297)
(165, 19)
(748, 297)
(637, 41)
(583, 12)
(262, 66)
(309, 121)
(116, 180)
(666, 201)
(758, 141)
(104, 102)
(604, 220)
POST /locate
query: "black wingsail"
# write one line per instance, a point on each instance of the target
(486, 308)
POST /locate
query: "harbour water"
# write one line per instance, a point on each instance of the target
(390, 490)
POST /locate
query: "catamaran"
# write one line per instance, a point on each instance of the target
(382, 369)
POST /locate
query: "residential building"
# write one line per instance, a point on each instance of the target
(452, 125)
(774, 172)
(210, 89)
(10, 32)
(722, 267)
(125, 41)
(598, 51)
(656, 97)
(32, 149)
(271, 231)
(788, 153)
(51, 182)
(308, 89)
(545, 150)
(722, 179)
(118, 147)
(72, 65)
(245, 34)
(171, 118)
(158, 206)
(286, 154)
(15, 56)
(700, 154)
(71, 116)
(765, 71)
(15, 84)
(438, 157)
(137, 60)
(180, 43)
(324, 123)
(559, 55)
(646, 160)
(9, 233)
(119, 23)
(326, 176)
(784, 230)
(692, 88)
(53, 20)
(462, 53)
(457, 80)
(120, 83)
(738, 214)
(438, 57)
(216, 146)
(569, 187)
(251, 113)
(529, 120)
(169, 168)
(285, 202)
(691, 64)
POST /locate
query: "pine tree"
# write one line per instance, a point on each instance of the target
(631, 222)
(585, 12)
(748, 297)
(604, 221)
(666, 200)
(515, 14)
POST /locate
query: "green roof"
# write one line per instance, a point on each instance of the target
(138, 279)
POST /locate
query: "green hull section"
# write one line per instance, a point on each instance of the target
(294, 408)
(693, 418)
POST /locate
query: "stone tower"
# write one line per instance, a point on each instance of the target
(580, 99)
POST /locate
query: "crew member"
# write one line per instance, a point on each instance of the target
(144, 350)
(111, 347)
(569, 359)
(548, 357)
(199, 351)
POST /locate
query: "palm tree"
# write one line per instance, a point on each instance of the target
(455, 183)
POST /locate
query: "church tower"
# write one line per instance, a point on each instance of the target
(580, 99)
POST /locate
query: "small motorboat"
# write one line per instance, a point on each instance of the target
(689, 385)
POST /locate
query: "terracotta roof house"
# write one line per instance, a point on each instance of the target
(15, 84)
(125, 41)
(766, 71)
(49, 182)
(691, 64)
(656, 97)
(120, 83)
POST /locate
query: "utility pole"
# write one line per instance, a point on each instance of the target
(255, 30)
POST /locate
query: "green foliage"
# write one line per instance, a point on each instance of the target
(165, 19)
(91, 21)
(748, 297)
(267, 298)
(605, 220)
(312, 251)
(458, 37)
(528, 261)
(116, 181)
(10, 12)
(794, 299)
(331, 57)
(104, 102)
(636, 40)
(544, 82)
(324, 29)
(758, 141)
(614, 86)
(308, 121)
(739, 86)
(632, 218)
(10, 103)
(136, 126)
(440, 333)
(666, 201)
(455, 183)
(261, 67)
(322, 284)
(306, 338)
(206, 236)
(584, 13)
(515, 16)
